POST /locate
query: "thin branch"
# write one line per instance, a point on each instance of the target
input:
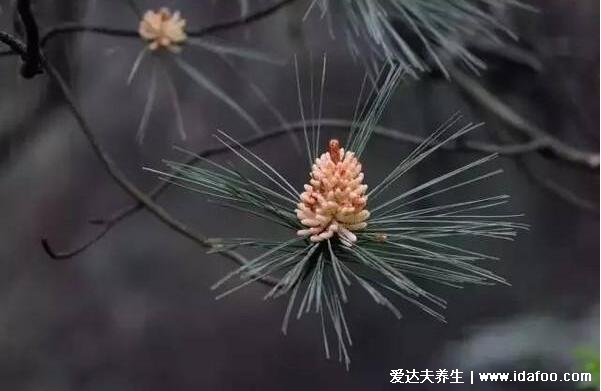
(75, 27)
(68, 28)
(241, 21)
(545, 183)
(547, 142)
(558, 190)
(114, 171)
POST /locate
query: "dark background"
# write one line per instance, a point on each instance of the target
(135, 311)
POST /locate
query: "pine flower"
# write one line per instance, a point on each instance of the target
(334, 201)
(163, 29)
(335, 241)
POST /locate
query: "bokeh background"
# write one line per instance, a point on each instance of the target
(135, 312)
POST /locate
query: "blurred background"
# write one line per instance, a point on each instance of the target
(135, 312)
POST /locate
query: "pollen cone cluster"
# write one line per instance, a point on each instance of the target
(334, 201)
(163, 29)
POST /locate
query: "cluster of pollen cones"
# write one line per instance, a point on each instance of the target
(334, 201)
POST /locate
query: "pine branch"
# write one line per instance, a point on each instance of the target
(536, 144)
(547, 142)
(70, 28)
(112, 168)
(118, 216)
(32, 58)
(74, 27)
(122, 180)
(560, 191)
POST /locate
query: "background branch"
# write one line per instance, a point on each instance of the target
(74, 27)
(546, 141)
(69, 28)
(562, 192)
(124, 183)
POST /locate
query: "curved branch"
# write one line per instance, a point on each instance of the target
(68, 28)
(557, 147)
(114, 171)
(74, 27)
(240, 21)
(563, 193)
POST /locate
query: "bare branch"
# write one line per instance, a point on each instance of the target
(69, 28)
(124, 183)
(558, 190)
(506, 114)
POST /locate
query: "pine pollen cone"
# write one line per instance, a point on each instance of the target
(334, 201)
(163, 29)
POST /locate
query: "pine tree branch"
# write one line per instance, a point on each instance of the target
(32, 58)
(547, 142)
(545, 183)
(114, 171)
(560, 191)
(69, 28)
(74, 27)
(116, 217)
